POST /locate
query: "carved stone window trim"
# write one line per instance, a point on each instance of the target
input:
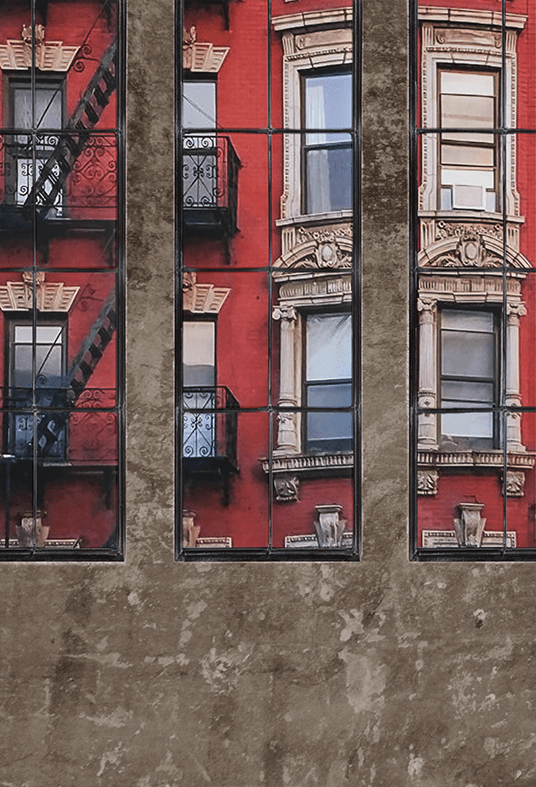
(478, 47)
(307, 44)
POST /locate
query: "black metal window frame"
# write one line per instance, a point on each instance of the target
(113, 550)
(469, 143)
(269, 553)
(495, 379)
(504, 132)
(305, 146)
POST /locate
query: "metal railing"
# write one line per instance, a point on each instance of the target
(210, 421)
(210, 182)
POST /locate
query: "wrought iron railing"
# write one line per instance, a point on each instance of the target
(210, 421)
(210, 182)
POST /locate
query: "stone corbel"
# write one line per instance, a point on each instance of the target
(469, 527)
(427, 482)
(328, 525)
(49, 55)
(201, 57)
(190, 531)
(515, 483)
(202, 298)
(54, 297)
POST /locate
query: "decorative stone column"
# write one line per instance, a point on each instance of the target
(514, 312)
(287, 432)
(427, 429)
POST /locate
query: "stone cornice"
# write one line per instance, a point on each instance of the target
(306, 19)
(470, 16)
(456, 459)
(299, 463)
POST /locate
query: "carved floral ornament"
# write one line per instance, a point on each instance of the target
(50, 297)
(201, 57)
(49, 55)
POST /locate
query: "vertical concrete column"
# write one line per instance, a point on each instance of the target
(287, 433)
(427, 431)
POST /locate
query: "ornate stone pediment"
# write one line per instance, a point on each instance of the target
(321, 250)
(49, 55)
(51, 297)
(470, 247)
(201, 57)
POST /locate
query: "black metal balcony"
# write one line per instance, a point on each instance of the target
(209, 436)
(210, 184)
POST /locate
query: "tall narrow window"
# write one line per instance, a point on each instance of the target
(268, 260)
(61, 279)
(473, 276)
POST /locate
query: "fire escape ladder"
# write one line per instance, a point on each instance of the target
(56, 169)
(51, 425)
(92, 348)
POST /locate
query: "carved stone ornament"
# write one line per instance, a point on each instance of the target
(515, 483)
(201, 57)
(26, 528)
(286, 488)
(469, 247)
(427, 482)
(470, 525)
(328, 526)
(201, 298)
(49, 55)
(190, 531)
(51, 297)
(322, 253)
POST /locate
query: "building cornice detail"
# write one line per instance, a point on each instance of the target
(201, 57)
(521, 461)
(471, 16)
(306, 19)
(471, 246)
(299, 463)
(201, 298)
(17, 296)
(49, 55)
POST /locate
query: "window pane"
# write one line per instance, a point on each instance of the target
(467, 425)
(467, 111)
(468, 354)
(462, 391)
(329, 345)
(198, 353)
(329, 431)
(467, 83)
(328, 103)
(329, 179)
(199, 104)
(334, 395)
(472, 156)
(452, 319)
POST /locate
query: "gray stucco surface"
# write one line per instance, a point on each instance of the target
(157, 674)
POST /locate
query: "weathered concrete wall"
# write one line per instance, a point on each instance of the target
(156, 674)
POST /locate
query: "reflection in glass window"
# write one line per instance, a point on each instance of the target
(61, 270)
(328, 156)
(267, 264)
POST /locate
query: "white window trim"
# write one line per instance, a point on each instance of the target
(306, 47)
(476, 47)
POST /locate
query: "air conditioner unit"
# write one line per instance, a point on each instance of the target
(468, 197)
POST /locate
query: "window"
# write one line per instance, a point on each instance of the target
(61, 279)
(42, 360)
(474, 288)
(469, 362)
(328, 382)
(327, 155)
(469, 171)
(45, 113)
(267, 413)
